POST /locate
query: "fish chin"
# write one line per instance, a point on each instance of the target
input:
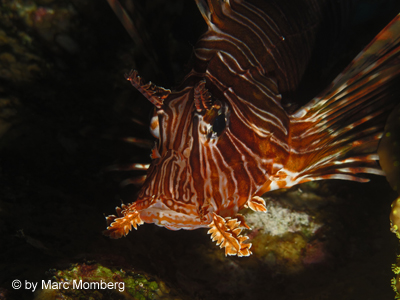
(163, 216)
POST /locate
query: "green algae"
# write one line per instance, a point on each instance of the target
(94, 281)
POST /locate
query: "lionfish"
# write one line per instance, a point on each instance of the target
(224, 138)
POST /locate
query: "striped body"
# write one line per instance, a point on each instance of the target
(224, 137)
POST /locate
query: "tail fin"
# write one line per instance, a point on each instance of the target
(336, 135)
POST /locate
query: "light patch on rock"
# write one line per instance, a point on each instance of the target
(279, 220)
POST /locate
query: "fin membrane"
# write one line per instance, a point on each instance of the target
(336, 135)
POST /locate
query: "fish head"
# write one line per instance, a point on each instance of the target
(199, 166)
(209, 159)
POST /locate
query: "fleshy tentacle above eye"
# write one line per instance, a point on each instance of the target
(202, 97)
(155, 94)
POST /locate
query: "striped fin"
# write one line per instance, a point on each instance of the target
(255, 41)
(136, 181)
(142, 143)
(134, 27)
(257, 204)
(205, 11)
(337, 133)
(130, 167)
(269, 44)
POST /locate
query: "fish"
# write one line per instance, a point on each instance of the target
(224, 137)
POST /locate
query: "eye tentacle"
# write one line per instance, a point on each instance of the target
(202, 97)
(155, 94)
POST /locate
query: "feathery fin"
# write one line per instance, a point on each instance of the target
(257, 204)
(346, 121)
(120, 225)
(226, 232)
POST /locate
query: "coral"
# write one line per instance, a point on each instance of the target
(389, 149)
(285, 236)
(21, 63)
(34, 37)
(95, 281)
(396, 280)
(394, 227)
(279, 220)
(395, 217)
(8, 113)
(52, 21)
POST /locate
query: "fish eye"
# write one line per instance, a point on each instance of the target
(219, 125)
(214, 121)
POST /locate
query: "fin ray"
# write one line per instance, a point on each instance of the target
(346, 121)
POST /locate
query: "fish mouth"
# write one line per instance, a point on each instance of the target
(163, 215)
